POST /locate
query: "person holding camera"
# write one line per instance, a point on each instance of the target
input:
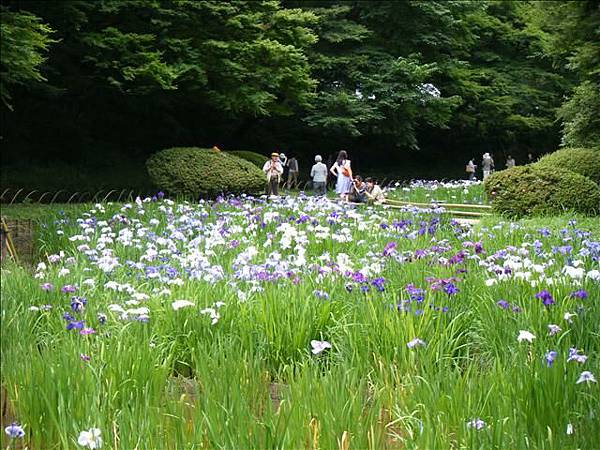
(358, 191)
(273, 170)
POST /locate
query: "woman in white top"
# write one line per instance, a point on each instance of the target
(342, 170)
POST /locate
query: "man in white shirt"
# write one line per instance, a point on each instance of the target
(318, 173)
(374, 193)
(273, 170)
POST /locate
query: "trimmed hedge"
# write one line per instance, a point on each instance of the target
(191, 171)
(531, 190)
(255, 158)
(579, 160)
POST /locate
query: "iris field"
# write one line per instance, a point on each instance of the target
(302, 323)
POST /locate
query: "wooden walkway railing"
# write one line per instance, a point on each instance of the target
(456, 209)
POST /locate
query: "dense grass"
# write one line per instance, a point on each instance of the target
(174, 380)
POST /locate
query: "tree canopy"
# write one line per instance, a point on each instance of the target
(101, 79)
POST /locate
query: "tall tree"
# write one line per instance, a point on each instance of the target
(571, 38)
(23, 45)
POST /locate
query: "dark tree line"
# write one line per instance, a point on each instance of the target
(91, 81)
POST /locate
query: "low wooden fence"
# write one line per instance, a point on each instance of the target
(11, 196)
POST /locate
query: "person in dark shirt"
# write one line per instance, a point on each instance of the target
(357, 191)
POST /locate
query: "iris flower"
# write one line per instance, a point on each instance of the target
(587, 377)
(415, 342)
(550, 357)
(319, 346)
(90, 439)
(14, 431)
(525, 336)
(477, 424)
(545, 297)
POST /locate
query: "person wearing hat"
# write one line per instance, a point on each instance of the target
(273, 170)
(487, 165)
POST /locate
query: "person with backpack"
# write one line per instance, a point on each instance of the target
(343, 171)
(470, 169)
(292, 178)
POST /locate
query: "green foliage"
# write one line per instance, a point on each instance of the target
(584, 161)
(531, 190)
(190, 171)
(239, 57)
(367, 84)
(570, 34)
(255, 158)
(581, 116)
(24, 41)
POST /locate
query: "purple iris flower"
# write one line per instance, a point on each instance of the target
(14, 431)
(450, 289)
(457, 258)
(579, 294)
(575, 356)
(75, 325)
(545, 297)
(550, 357)
(68, 317)
(358, 277)
(502, 304)
(321, 294)
(378, 283)
(478, 424)
(364, 288)
(78, 303)
(46, 286)
(389, 248)
(160, 195)
(68, 288)
(416, 294)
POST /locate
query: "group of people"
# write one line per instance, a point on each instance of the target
(487, 165)
(280, 169)
(348, 186)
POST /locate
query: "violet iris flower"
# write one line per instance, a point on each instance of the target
(545, 297)
(550, 357)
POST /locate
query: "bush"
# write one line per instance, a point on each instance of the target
(531, 190)
(255, 158)
(191, 172)
(579, 160)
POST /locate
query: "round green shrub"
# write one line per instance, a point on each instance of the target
(192, 172)
(584, 161)
(532, 190)
(255, 158)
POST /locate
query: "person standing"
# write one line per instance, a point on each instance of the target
(510, 162)
(273, 170)
(343, 171)
(292, 179)
(470, 169)
(487, 165)
(284, 165)
(318, 173)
